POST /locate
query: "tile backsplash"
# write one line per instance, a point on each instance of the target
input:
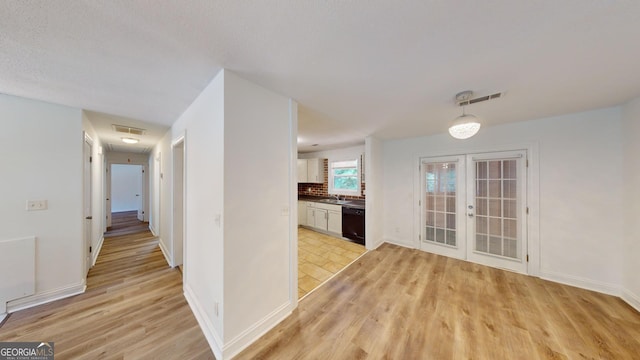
(323, 189)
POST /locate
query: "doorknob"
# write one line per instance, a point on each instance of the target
(470, 214)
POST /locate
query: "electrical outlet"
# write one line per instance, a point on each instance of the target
(35, 205)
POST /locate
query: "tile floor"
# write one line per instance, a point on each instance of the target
(320, 256)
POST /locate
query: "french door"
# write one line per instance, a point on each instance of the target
(473, 207)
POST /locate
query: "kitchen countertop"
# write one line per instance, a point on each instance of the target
(354, 204)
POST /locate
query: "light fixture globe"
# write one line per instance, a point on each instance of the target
(464, 126)
(128, 140)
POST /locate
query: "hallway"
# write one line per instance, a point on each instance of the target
(133, 308)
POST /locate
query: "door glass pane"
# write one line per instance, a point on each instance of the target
(440, 202)
(496, 200)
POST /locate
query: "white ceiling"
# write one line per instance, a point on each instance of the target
(112, 140)
(357, 68)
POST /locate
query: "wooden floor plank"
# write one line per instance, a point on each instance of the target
(398, 303)
(133, 308)
(392, 303)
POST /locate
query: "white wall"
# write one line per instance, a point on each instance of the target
(238, 245)
(580, 191)
(126, 187)
(203, 123)
(98, 188)
(41, 147)
(162, 222)
(374, 176)
(631, 207)
(256, 206)
(349, 153)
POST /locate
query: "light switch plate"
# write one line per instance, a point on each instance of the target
(35, 205)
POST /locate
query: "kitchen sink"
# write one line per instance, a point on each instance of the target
(334, 201)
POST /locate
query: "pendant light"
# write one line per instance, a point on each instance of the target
(465, 125)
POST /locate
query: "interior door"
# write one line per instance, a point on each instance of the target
(473, 207)
(496, 209)
(87, 190)
(140, 194)
(443, 199)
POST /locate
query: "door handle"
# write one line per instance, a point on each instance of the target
(470, 215)
(89, 217)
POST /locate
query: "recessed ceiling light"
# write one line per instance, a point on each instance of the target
(130, 140)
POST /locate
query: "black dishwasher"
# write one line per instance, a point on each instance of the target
(353, 224)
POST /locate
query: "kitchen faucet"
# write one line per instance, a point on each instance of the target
(337, 197)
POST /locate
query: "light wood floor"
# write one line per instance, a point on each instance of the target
(398, 303)
(133, 309)
(320, 257)
(125, 223)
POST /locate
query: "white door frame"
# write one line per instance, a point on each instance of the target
(178, 232)
(87, 186)
(532, 196)
(145, 185)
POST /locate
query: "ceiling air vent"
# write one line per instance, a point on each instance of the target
(128, 129)
(481, 99)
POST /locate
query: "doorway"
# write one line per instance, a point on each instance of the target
(127, 193)
(473, 207)
(178, 201)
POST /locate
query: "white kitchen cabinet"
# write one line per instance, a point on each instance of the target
(302, 170)
(321, 219)
(311, 217)
(317, 218)
(315, 170)
(302, 213)
(334, 221)
(324, 217)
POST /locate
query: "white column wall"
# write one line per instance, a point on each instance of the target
(256, 210)
(631, 208)
(203, 123)
(374, 176)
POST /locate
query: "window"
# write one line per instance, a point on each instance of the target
(344, 177)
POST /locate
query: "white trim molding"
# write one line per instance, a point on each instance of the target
(215, 343)
(97, 252)
(46, 297)
(631, 299)
(397, 242)
(253, 333)
(580, 282)
(165, 252)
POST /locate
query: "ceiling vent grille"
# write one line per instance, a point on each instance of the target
(481, 99)
(128, 129)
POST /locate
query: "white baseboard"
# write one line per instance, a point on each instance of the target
(253, 333)
(97, 252)
(2, 317)
(165, 252)
(153, 231)
(399, 243)
(376, 244)
(215, 343)
(46, 297)
(631, 299)
(583, 283)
